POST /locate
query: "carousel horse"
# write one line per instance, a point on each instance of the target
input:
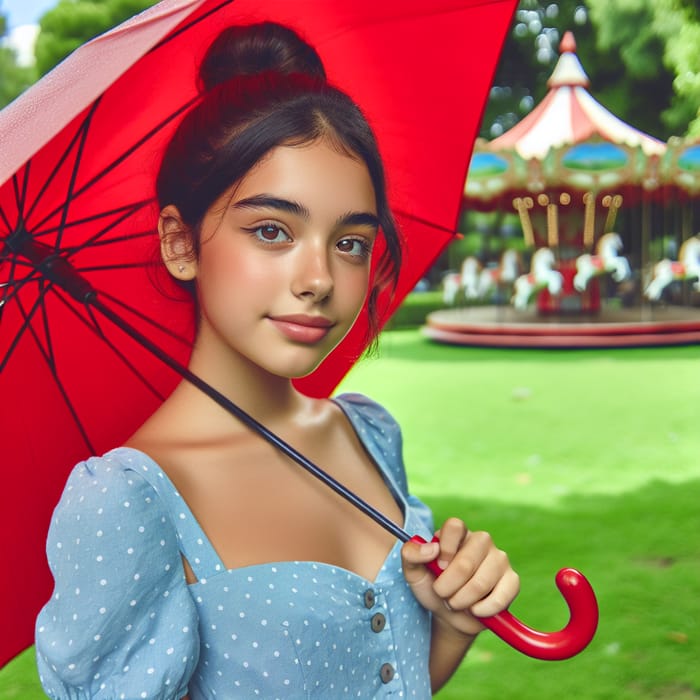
(542, 274)
(465, 280)
(451, 285)
(606, 259)
(506, 272)
(469, 277)
(685, 268)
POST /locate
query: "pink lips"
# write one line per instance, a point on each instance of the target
(302, 328)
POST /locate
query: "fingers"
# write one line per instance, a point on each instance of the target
(478, 578)
(452, 536)
(415, 556)
(500, 597)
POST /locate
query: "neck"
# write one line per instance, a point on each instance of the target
(267, 397)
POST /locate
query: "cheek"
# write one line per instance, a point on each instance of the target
(233, 270)
(354, 288)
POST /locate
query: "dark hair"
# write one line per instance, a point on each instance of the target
(263, 86)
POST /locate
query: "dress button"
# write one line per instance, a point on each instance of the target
(386, 672)
(378, 622)
(369, 598)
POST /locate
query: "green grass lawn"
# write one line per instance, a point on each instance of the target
(588, 459)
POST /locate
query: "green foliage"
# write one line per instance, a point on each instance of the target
(415, 308)
(14, 79)
(654, 40)
(73, 22)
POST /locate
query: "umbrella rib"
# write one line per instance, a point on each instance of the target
(5, 220)
(12, 287)
(49, 355)
(115, 163)
(113, 224)
(49, 358)
(152, 322)
(64, 156)
(129, 208)
(26, 325)
(20, 196)
(113, 266)
(431, 224)
(189, 25)
(95, 328)
(74, 171)
(109, 241)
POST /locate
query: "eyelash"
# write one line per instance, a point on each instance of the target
(256, 231)
(365, 247)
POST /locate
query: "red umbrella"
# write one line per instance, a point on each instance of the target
(77, 216)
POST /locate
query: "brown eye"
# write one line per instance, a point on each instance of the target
(357, 247)
(270, 233)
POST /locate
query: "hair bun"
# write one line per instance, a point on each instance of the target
(257, 48)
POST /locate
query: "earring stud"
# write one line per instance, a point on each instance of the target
(180, 268)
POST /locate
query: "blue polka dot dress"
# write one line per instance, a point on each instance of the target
(123, 622)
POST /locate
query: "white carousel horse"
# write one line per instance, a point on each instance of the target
(542, 274)
(606, 259)
(506, 273)
(451, 284)
(469, 278)
(467, 281)
(685, 268)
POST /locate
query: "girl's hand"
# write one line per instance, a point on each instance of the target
(477, 580)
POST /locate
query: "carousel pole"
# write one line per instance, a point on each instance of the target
(589, 220)
(613, 204)
(646, 309)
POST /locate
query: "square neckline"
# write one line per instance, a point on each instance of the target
(206, 560)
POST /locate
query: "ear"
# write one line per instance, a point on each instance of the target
(176, 247)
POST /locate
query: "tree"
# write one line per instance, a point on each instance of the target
(14, 78)
(73, 22)
(654, 38)
(624, 47)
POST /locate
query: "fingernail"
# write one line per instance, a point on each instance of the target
(429, 548)
(442, 563)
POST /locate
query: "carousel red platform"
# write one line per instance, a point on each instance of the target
(504, 326)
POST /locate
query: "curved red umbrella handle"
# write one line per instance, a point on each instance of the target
(549, 646)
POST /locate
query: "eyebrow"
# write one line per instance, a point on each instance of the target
(265, 201)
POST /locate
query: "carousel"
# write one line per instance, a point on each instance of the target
(609, 218)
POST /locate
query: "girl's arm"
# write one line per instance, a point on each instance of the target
(477, 581)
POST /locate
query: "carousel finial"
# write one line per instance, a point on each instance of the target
(568, 71)
(567, 43)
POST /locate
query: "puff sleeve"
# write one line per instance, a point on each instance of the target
(381, 434)
(121, 622)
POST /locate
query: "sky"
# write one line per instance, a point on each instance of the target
(19, 12)
(22, 17)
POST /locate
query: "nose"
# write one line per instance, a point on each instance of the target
(312, 278)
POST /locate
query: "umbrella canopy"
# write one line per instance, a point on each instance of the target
(77, 164)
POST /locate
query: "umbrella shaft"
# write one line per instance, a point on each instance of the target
(50, 264)
(251, 422)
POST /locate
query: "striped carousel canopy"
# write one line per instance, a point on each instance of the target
(569, 115)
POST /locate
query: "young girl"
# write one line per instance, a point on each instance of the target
(198, 561)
